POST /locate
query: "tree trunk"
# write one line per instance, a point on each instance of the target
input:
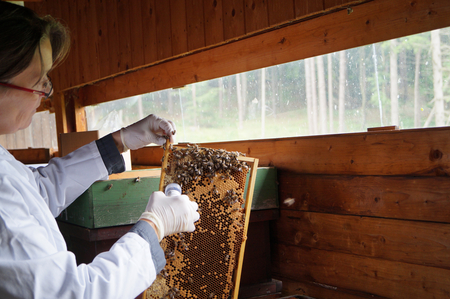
(330, 92)
(263, 102)
(416, 90)
(362, 84)
(239, 100)
(394, 82)
(312, 65)
(309, 109)
(244, 93)
(274, 84)
(437, 78)
(220, 97)
(322, 96)
(342, 86)
(194, 104)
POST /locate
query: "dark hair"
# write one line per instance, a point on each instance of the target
(21, 32)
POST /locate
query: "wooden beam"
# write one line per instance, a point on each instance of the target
(368, 23)
(414, 198)
(419, 152)
(414, 242)
(377, 277)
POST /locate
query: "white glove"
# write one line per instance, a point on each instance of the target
(174, 214)
(150, 129)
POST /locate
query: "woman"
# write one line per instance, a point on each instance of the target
(34, 261)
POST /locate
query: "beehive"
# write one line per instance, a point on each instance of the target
(207, 262)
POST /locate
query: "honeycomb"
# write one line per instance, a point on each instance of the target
(202, 264)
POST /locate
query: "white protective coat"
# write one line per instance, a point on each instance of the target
(34, 261)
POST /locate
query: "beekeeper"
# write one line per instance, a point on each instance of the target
(34, 261)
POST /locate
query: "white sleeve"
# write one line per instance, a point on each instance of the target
(64, 179)
(123, 272)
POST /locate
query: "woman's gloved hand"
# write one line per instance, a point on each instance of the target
(151, 129)
(174, 214)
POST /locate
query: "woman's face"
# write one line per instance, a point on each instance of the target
(17, 107)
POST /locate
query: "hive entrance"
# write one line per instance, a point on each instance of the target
(207, 262)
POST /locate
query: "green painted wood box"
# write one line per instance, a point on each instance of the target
(121, 201)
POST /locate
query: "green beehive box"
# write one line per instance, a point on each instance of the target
(121, 201)
(112, 202)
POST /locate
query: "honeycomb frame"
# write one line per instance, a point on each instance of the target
(208, 262)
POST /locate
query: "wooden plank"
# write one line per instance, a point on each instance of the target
(351, 272)
(113, 38)
(280, 11)
(256, 15)
(414, 242)
(84, 56)
(307, 7)
(213, 22)
(178, 26)
(137, 34)
(32, 155)
(233, 19)
(298, 41)
(333, 3)
(74, 140)
(149, 27)
(163, 30)
(319, 290)
(123, 23)
(102, 36)
(92, 41)
(405, 152)
(414, 198)
(195, 24)
(70, 7)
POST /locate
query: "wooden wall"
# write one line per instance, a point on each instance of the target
(112, 36)
(363, 215)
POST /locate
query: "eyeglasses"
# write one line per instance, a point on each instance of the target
(46, 93)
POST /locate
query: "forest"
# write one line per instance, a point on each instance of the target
(402, 82)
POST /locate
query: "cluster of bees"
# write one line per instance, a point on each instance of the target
(203, 162)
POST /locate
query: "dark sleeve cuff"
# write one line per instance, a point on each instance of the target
(146, 231)
(111, 156)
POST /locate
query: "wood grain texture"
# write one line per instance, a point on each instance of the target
(419, 152)
(256, 15)
(195, 24)
(280, 11)
(103, 33)
(320, 290)
(329, 33)
(372, 276)
(149, 29)
(213, 22)
(163, 30)
(32, 155)
(233, 19)
(137, 34)
(413, 242)
(306, 7)
(178, 26)
(414, 198)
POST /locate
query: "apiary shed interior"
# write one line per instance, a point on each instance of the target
(361, 215)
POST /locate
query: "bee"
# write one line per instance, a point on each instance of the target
(109, 187)
(191, 281)
(137, 180)
(211, 295)
(226, 258)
